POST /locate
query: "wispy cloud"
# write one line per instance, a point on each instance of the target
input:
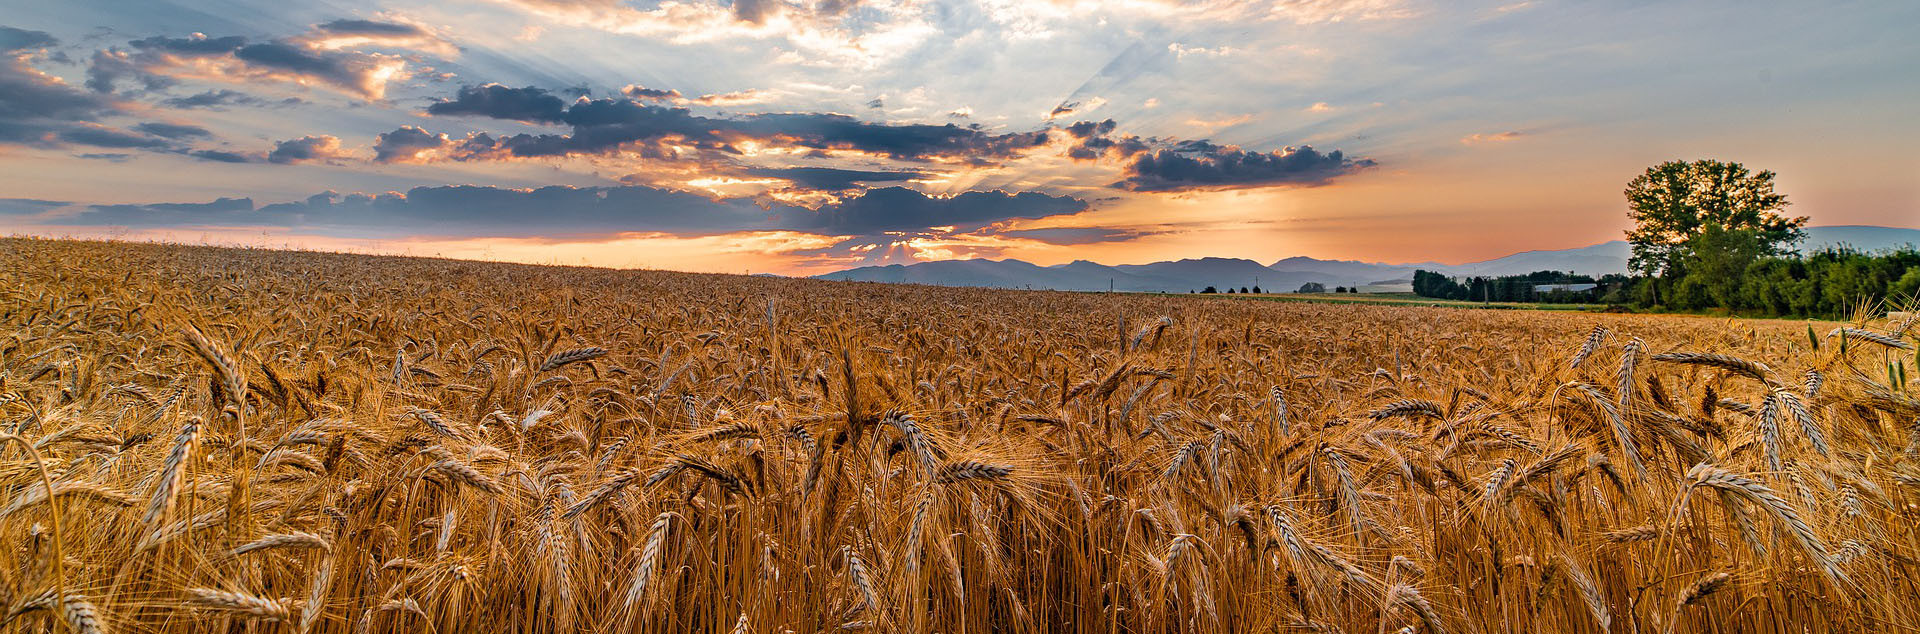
(1492, 137)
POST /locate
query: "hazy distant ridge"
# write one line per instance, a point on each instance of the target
(1180, 276)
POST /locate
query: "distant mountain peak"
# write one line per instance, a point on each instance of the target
(1179, 276)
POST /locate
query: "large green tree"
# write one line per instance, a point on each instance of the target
(1707, 213)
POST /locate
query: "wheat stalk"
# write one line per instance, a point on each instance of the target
(240, 604)
(1735, 365)
(294, 539)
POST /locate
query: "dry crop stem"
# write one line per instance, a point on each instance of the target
(215, 440)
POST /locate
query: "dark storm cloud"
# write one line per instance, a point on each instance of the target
(102, 136)
(1089, 129)
(603, 126)
(222, 156)
(214, 99)
(1091, 141)
(502, 102)
(753, 11)
(191, 46)
(13, 40)
(833, 179)
(1166, 165)
(558, 211)
(370, 28)
(907, 141)
(172, 130)
(405, 144)
(1203, 165)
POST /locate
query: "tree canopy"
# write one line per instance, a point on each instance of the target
(1707, 209)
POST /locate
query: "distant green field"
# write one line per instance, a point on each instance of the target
(1410, 299)
(1401, 299)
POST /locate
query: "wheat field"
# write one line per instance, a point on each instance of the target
(259, 441)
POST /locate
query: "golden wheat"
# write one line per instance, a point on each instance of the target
(202, 440)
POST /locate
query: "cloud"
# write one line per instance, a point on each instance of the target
(27, 206)
(222, 156)
(1092, 141)
(1166, 165)
(721, 100)
(220, 212)
(737, 98)
(14, 40)
(754, 11)
(102, 136)
(1031, 15)
(109, 66)
(172, 130)
(347, 33)
(902, 209)
(37, 108)
(364, 75)
(607, 126)
(1199, 165)
(208, 99)
(456, 210)
(644, 93)
(157, 61)
(1212, 125)
(406, 145)
(905, 141)
(41, 110)
(827, 178)
(220, 98)
(559, 211)
(824, 32)
(495, 101)
(1496, 137)
(306, 149)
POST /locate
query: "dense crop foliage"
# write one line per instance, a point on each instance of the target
(266, 441)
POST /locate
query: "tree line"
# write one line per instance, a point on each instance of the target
(1711, 236)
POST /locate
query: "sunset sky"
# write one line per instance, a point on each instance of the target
(810, 136)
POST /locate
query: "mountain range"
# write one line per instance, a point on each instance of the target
(1288, 274)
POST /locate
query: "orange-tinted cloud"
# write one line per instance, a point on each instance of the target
(159, 60)
(1496, 137)
(307, 149)
(356, 33)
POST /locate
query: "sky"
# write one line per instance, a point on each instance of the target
(807, 136)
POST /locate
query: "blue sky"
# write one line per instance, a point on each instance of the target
(808, 136)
